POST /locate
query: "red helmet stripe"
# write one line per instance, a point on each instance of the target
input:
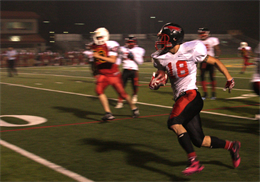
(171, 28)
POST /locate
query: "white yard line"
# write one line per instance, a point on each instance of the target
(46, 163)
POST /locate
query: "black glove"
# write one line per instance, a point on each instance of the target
(130, 56)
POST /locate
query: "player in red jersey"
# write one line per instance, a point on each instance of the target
(103, 55)
(246, 53)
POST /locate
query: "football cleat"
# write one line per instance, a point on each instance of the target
(234, 153)
(108, 116)
(204, 96)
(136, 113)
(193, 167)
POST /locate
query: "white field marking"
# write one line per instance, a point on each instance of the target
(244, 96)
(94, 78)
(142, 103)
(56, 75)
(38, 83)
(59, 82)
(206, 112)
(46, 163)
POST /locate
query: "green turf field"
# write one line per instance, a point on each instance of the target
(70, 144)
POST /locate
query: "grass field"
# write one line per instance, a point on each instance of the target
(51, 129)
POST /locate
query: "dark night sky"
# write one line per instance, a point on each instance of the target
(121, 16)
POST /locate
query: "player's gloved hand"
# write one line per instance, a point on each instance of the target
(158, 80)
(229, 85)
(130, 56)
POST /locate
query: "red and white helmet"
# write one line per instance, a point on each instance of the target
(101, 35)
(203, 33)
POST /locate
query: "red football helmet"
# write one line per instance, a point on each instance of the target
(203, 33)
(130, 41)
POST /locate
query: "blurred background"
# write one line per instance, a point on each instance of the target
(63, 27)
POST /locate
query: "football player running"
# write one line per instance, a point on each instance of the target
(179, 60)
(103, 55)
(246, 53)
(131, 56)
(212, 45)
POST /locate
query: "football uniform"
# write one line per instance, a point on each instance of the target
(138, 54)
(103, 67)
(245, 54)
(106, 73)
(210, 42)
(182, 66)
(130, 66)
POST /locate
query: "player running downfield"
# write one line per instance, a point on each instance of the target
(131, 56)
(246, 53)
(212, 45)
(179, 60)
(102, 56)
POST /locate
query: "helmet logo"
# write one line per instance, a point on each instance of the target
(173, 28)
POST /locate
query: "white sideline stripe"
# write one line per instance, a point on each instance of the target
(147, 104)
(206, 112)
(44, 162)
(93, 79)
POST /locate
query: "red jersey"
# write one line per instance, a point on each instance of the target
(103, 67)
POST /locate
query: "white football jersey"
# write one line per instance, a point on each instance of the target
(138, 54)
(182, 66)
(11, 53)
(210, 42)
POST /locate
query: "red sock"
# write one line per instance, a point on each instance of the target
(229, 145)
(192, 155)
(203, 84)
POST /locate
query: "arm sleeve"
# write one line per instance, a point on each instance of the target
(200, 52)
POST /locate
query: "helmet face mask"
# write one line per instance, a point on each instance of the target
(203, 33)
(130, 41)
(170, 35)
(163, 42)
(101, 35)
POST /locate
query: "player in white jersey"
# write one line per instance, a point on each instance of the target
(212, 45)
(131, 56)
(179, 60)
(246, 53)
(11, 54)
(256, 76)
